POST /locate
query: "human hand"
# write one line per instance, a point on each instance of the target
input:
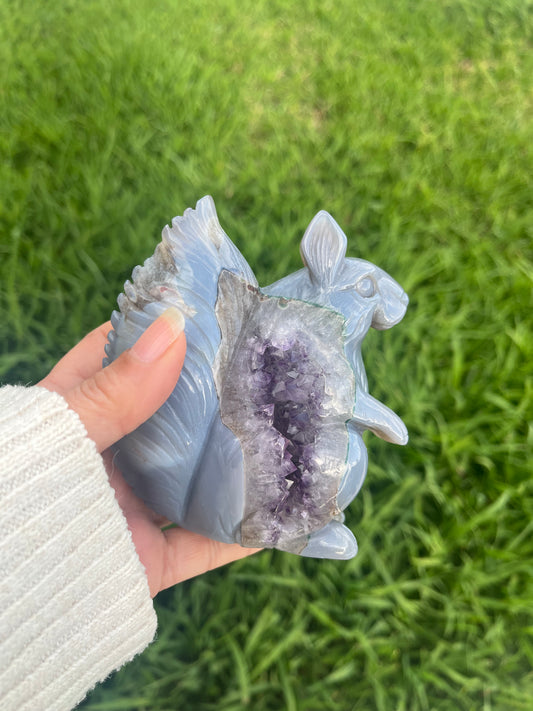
(113, 401)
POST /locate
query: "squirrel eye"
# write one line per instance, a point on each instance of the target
(366, 287)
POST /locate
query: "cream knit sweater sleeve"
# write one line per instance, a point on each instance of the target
(74, 598)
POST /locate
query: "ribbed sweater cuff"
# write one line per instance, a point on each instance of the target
(74, 599)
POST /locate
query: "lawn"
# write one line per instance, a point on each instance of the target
(411, 122)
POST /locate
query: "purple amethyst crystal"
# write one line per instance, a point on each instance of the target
(289, 392)
(286, 392)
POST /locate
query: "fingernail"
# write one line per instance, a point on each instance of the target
(159, 336)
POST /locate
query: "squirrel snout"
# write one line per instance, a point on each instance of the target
(392, 307)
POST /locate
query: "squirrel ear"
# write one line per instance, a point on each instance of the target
(323, 249)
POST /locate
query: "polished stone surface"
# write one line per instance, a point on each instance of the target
(260, 442)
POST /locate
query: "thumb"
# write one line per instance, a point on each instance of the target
(120, 397)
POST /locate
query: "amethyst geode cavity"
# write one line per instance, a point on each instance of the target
(260, 442)
(274, 372)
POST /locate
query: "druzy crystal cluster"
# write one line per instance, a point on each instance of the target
(288, 392)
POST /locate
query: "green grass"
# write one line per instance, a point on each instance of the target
(411, 123)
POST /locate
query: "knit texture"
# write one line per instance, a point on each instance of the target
(74, 599)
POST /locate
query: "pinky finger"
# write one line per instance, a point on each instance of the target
(189, 554)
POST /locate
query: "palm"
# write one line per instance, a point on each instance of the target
(109, 409)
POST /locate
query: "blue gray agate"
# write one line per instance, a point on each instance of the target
(260, 442)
